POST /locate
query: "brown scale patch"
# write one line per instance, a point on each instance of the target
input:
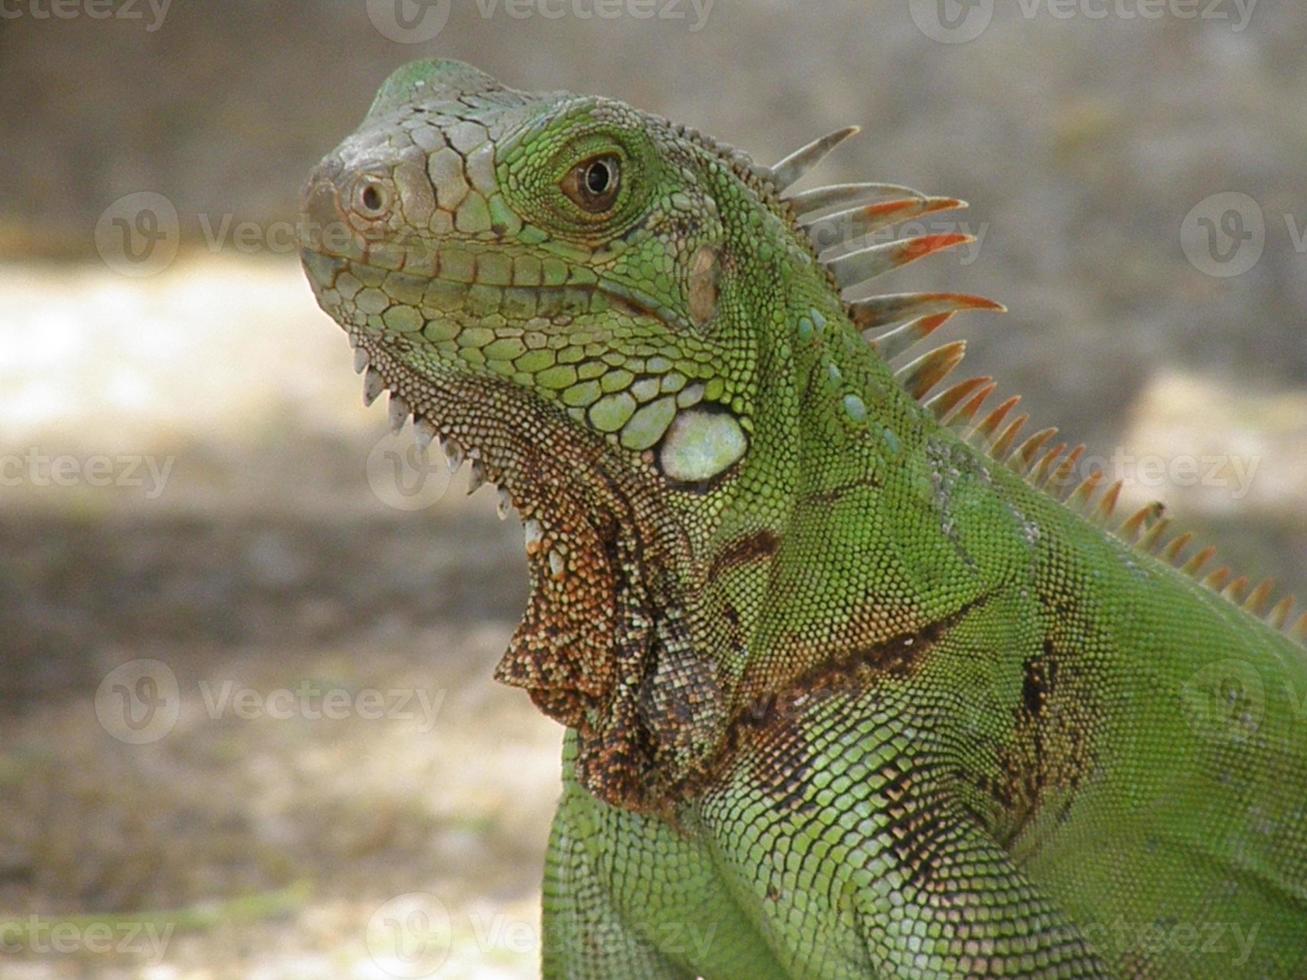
(923, 840)
(771, 729)
(753, 547)
(1050, 751)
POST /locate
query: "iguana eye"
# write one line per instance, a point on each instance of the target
(371, 198)
(593, 184)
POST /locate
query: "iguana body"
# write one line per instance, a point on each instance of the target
(848, 694)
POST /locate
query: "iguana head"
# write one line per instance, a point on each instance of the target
(587, 301)
(566, 254)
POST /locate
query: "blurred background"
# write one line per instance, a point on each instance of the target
(247, 723)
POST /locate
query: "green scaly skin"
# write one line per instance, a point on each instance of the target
(846, 696)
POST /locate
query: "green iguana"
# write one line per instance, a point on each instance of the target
(849, 691)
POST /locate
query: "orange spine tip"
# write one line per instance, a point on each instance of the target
(1082, 494)
(946, 402)
(1299, 629)
(1039, 474)
(1154, 535)
(1003, 445)
(931, 368)
(1057, 482)
(1135, 523)
(989, 425)
(969, 409)
(1235, 590)
(1280, 614)
(1103, 512)
(1177, 545)
(1024, 457)
(1216, 580)
(1194, 565)
(1256, 601)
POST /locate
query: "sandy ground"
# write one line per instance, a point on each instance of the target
(323, 780)
(247, 723)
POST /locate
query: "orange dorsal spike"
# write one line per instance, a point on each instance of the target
(1154, 535)
(1082, 494)
(1023, 458)
(931, 368)
(1007, 439)
(882, 311)
(1278, 616)
(904, 338)
(1259, 597)
(1107, 506)
(1235, 590)
(1299, 629)
(1061, 476)
(946, 402)
(989, 425)
(969, 409)
(1216, 580)
(1143, 517)
(1039, 474)
(1172, 552)
(1194, 565)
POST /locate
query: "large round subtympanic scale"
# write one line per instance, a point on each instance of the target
(701, 444)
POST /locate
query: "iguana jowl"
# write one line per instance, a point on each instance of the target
(849, 692)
